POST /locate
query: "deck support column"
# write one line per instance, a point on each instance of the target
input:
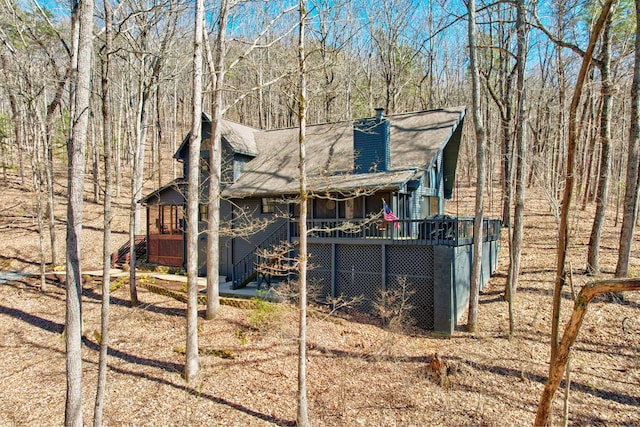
(333, 270)
(384, 267)
(444, 320)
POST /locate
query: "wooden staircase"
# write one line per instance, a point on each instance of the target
(245, 271)
(123, 255)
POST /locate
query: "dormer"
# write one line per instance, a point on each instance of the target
(238, 148)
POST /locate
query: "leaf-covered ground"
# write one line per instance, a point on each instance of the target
(358, 372)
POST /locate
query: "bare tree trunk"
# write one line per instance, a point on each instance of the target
(136, 152)
(507, 151)
(215, 166)
(108, 195)
(593, 264)
(515, 248)
(588, 292)
(587, 132)
(158, 138)
(81, 64)
(137, 160)
(133, 289)
(49, 123)
(563, 234)
(16, 113)
(95, 174)
(192, 363)
(630, 208)
(480, 165)
(118, 154)
(302, 418)
(560, 146)
(37, 180)
(51, 206)
(567, 390)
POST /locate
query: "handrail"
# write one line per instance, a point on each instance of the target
(444, 231)
(245, 269)
(123, 254)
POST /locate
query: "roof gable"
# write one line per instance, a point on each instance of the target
(240, 138)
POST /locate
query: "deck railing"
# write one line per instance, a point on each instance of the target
(446, 231)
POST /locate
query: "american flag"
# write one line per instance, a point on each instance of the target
(388, 214)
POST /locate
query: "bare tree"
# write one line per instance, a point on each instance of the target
(515, 246)
(149, 66)
(108, 195)
(389, 24)
(81, 74)
(42, 89)
(499, 60)
(632, 183)
(587, 293)
(61, 76)
(218, 70)
(302, 418)
(192, 363)
(215, 168)
(17, 114)
(593, 261)
(563, 233)
(480, 180)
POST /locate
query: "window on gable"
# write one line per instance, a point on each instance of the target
(268, 205)
(203, 212)
(205, 172)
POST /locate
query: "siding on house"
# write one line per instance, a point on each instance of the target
(371, 147)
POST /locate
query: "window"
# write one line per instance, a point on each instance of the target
(203, 212)
(268, 205)
(429, 206)
(430, 178)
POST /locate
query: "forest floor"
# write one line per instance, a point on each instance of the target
(358, 372)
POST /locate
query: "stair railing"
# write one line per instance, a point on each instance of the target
(245, 270)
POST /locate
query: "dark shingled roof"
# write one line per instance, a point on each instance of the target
(239, 137)
(415, 139)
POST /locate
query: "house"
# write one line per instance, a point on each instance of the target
(407, 161)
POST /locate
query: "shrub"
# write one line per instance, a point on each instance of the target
(264, 314)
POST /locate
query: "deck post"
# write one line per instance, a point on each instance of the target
(384, 267)
(443, 299)
(333, 270)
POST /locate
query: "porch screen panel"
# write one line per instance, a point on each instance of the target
(153, 219)
(319, 275)
(374, 202)
(165, 219)
(359, 272)
(413, 266)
